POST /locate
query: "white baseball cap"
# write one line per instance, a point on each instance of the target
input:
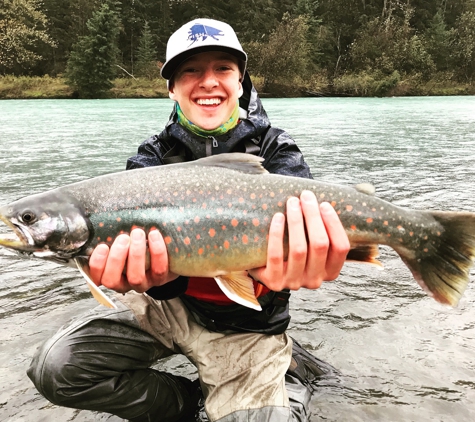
(199, 36)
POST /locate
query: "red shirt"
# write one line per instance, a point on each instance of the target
(207, 290)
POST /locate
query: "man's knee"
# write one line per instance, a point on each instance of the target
(54, 372)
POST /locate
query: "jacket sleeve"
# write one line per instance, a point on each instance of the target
(282, 155)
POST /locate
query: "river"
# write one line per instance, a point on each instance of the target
(402, 356)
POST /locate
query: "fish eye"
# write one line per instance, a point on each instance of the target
(28, 217)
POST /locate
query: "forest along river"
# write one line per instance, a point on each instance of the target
(402, 356)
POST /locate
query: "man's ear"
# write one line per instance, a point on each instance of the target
(240, 89)
(171, 93)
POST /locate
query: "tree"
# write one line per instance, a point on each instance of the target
(464, 45)
(146, 64)
(285, 55)
(23, 27)
(90, 68)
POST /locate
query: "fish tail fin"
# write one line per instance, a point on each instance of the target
(442, 265)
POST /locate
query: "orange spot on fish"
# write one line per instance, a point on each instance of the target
(229, 191)
(333, 204)
(219, 210)
(241, 200)
(223, 227)
(426, 250)
(200, 251)
(167, 240)
(101, 224)
(253, 196)
(369, 220)
(212, 232)
(255, 221)
(198, 237)
(280, 204)
(245, 239)
(256, 239)
(118, 219)
(411, 234)
(322, 195)
(196, 219)
(178, 229)
(226, 244)
(264, 206)
(176, 250)
(204, 205)
(186, 240)
(349, 208)
(353, 227)
(385, 223)
(234, 222)
(109, 239)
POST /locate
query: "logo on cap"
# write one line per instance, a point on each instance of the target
(199, 32)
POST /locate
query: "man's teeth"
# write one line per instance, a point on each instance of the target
(209, 101)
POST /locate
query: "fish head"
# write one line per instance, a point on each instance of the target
(51, 225)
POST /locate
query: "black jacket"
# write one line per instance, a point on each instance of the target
(255, 135)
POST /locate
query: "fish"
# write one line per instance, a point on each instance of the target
(214, 214)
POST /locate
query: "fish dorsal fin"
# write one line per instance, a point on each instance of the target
(239, 287)
(97, 293)
(366, 188)
(245, 163)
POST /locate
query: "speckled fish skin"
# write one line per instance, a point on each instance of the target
(215, 213)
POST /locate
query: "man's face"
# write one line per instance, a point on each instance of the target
(207, 87)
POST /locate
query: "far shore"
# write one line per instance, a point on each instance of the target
(46, 87)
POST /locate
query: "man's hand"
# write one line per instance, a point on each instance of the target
(107, 265)
(309, 262)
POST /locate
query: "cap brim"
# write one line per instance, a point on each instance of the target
(169, 68)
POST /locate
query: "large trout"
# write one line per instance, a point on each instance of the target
(214, 214)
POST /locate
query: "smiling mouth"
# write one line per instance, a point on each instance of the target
(208, 101)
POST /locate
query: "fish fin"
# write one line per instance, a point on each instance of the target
(366, 254)
(245, 163)
(442, 265)
(239, 287)
(366, 188)
(97, 293)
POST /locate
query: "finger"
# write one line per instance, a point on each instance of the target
(272, 274)
(318, 241)
(297, 259)
(136, 261)
(112, 277)
(158, 258)
(339, 242)
(97, 262)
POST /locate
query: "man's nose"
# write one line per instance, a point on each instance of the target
(208, 80)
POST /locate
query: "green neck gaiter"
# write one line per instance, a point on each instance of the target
(220, 130)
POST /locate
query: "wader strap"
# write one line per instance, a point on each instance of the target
(175, 155)
(251, 148)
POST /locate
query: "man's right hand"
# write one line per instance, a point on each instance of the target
(107, 264)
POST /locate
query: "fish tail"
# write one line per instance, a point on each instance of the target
(442, 266)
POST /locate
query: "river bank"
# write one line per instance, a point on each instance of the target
(361, 85)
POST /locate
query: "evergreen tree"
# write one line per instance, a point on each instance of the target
(146, 64)
(90, 68)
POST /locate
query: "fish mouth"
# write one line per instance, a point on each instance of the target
(16, 240)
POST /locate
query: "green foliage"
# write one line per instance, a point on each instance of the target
(464, 45)
(23, 27)
(285, 55)
(146, 64)
(91, 66)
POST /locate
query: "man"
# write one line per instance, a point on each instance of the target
(244, 357)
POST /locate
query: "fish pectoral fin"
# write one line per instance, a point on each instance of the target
(239, 287)
(97, 293)
(365, 254)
